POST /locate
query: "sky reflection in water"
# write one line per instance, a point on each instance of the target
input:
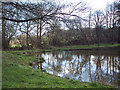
(82, 67)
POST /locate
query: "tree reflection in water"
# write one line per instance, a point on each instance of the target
(82, 66)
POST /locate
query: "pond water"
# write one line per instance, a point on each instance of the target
(82, 66)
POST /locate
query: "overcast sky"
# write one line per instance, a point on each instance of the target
(99, 4)
(94, 4)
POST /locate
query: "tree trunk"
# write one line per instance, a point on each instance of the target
(37, 35)
(4, 41)
(40, 34)
(98, 36)
(27, 36)
(119, 73)
(119, 34)
(113, 29)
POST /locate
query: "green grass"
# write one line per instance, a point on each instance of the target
(16, 73)
(87, 47)
(80, 47)
(93, 46)
(75, 47)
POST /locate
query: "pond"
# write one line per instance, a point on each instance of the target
(82, 66)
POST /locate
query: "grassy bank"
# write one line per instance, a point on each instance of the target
(85, 47)
(16, 73)
(78, 47)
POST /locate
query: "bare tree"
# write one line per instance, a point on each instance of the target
(118, 19)
(42, 13)
(98, 22)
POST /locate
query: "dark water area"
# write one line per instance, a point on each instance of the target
(82, 65)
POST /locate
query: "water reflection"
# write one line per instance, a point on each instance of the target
(38, 63)
(82, 67)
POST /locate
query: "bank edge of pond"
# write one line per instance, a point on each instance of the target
(87, 47)
(79, 47)
(16, 73)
